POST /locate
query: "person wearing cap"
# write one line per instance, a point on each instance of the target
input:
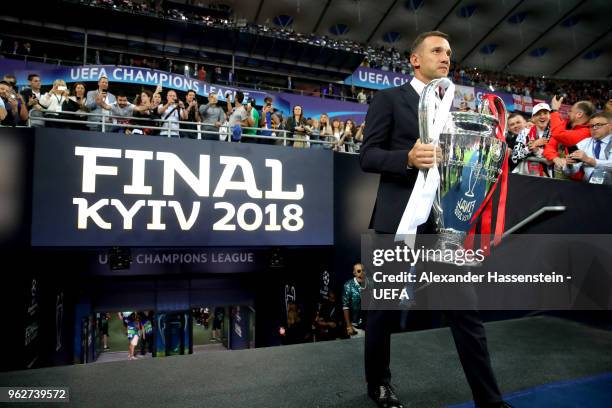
(531, 142)
(564, 133)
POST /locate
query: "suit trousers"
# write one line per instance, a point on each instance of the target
(470, 341)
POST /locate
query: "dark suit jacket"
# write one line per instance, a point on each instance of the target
(27, 94)
(392, 129)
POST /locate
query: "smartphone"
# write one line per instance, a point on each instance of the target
(61, 88)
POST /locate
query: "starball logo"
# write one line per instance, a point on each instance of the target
(237, 175)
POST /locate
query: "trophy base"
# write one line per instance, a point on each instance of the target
(450, 242)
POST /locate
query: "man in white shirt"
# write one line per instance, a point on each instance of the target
(593, 154)
(171, 114)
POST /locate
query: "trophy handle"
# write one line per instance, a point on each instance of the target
(495, 106)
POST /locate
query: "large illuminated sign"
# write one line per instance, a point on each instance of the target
(94, 189)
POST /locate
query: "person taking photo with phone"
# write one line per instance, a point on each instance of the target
(53, 102)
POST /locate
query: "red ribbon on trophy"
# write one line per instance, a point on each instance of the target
(498, 110)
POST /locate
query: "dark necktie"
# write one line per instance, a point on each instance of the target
(597, 148)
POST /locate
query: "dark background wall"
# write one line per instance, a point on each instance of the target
(68, 272)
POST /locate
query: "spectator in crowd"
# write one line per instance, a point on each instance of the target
(156, 101)
(239, 116)
(296, 125)
(337, 132)
(53, 102)
(170, 113)
(3, 111)
(362, 97)
(212, 117)
(328, 320)
(11, 80)
(330, 91)
(190, 114)
(95, 101)
(531, 142)
(359, 134)
(77, 103)
(32, 93)
(265, 120)
(325, 131)
(202, 74)
(351, 300)
(145, 117)
(608, 107)
(14, 110)
(276, 128)
(122, 112)
(566, 133)
(516, 123)
(314, 133)
(250, 106)
(346, 142)
(594, 155)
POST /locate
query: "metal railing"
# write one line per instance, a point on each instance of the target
(170, 130)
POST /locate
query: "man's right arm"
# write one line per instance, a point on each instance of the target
(568, 137)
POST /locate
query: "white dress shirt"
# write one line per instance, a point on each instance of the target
(601, 162)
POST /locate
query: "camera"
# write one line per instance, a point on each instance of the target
(61, 88)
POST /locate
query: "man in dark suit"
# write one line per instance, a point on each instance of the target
(392, 148)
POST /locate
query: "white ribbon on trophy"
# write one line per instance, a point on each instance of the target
(428, 182)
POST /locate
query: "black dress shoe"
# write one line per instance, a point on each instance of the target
(384, 396)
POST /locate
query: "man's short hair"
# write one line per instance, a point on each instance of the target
(239, 97)
(191, 90)
(121, 94)
(3, 82)
(515, 115)
(32, 76)
(268, 98)
(421, 37)
(587, 107)
(605, 115)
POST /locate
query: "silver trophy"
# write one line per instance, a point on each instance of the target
(471, 162)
